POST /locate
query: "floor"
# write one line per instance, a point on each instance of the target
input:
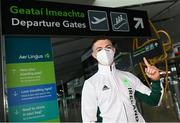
(70, 112)
(166, 112)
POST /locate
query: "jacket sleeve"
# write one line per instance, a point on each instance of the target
(88, 103)
(149, 96)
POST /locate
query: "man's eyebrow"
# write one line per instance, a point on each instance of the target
(105, 46)
(108, 45)
(98, 48)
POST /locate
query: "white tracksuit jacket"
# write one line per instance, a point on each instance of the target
(112, 91)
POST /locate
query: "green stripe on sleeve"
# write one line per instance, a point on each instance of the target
(154, 97)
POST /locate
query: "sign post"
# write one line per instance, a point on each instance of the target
(31, 82)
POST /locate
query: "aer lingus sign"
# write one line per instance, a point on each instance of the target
(30, 79)
(46, 18)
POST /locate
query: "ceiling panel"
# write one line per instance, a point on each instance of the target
(152, 9)
(170, 12)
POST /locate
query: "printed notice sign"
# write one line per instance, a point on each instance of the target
(30, 80)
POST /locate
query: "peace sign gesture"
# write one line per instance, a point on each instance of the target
(151, 71)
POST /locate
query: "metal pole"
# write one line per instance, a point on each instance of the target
(65, 107)
(2, 74)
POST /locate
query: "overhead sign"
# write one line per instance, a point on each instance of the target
(31, 86)
(149, 50)
(48, 18)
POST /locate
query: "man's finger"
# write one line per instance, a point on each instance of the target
(146, 62)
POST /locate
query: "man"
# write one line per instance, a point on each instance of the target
(113, 90)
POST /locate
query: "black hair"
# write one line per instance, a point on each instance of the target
(100, 38)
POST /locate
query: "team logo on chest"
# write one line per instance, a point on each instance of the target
(126, 82)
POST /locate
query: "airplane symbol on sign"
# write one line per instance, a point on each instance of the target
(98, 20)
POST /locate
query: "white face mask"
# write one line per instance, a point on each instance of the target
(105, 56)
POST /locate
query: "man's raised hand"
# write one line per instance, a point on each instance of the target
(151, 71)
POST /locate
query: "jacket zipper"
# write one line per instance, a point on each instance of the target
(111, 68)
(126, 112)
(118, 94)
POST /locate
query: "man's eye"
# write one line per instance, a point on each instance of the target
(109, 47)
(98, 50)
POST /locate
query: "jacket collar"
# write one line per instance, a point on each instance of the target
(106, 69)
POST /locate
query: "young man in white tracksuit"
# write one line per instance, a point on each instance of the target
(113, 90)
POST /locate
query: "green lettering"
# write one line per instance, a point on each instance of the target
(33, 11)
(52, 13)
(65, 14)
(47, 11)
(21, 11)
(14, 9)
(82, 15)
(41, 11)
(36, 12)
(70, 14)
(28, 11)
(59, 13)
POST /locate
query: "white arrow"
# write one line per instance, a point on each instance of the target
(16, 112)
(156, 44)
(14, 71)
(139, 22)
(15, 93)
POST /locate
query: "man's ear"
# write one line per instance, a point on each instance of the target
(114, 50)
(93, 55)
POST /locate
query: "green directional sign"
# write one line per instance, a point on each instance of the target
(31, 84)
(26, 17)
